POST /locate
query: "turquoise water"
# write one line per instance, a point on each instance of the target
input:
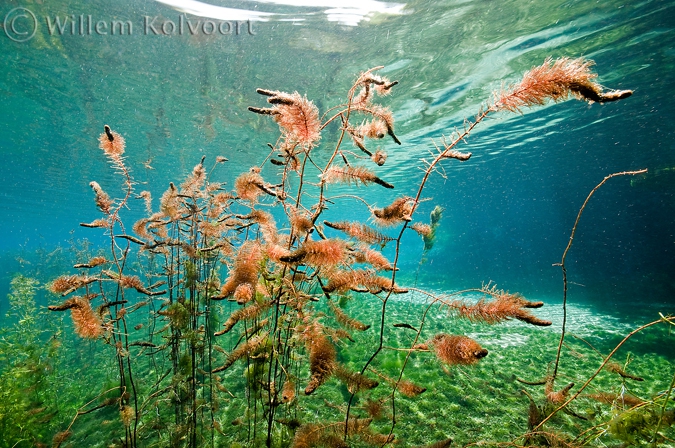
(177, 95)
(509, 211)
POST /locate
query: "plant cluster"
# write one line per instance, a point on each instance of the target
(29, 347)
(229, 310)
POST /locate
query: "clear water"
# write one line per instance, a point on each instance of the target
(508, 211)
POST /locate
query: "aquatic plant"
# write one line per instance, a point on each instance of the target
(29, 348)
(235, 307)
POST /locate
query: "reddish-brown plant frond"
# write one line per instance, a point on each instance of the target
(86, 322)
(361, 280)
(385, 114)
(265, 220)
(620, 400)
(354, 381)
(300, 222)
(556, 80)
(300, 119)
(216, 209)
(131, 281)
(360, 231)
(297, 116)
(96, 261)
(321, 361)
(616, 368)
(245, 269)
(377, 284)
(399, 210)
(454, 349)
(505, 306)
(354, 425)
(518, 299)
(362, 99)
(222, 199)
(374, 408)
(195, 181)
(375, 128)
(276, 252)
(157, 225)
(410, 389)
(92, 263)
(307, 436)
(103, 201)
(61, 437)
(140, 228)
(339, 334)
(342, 281)
(370, 83)
(127, 415)
(312, 435)
(289, 151)
(214, 230)
(358, 141)
(97, 223)
(147, 199)
(379, 157)
(249, 185)
(169, 204)
(69, 283)
(557, 397)
(355, 174)
(111, 142)
(422, 229)
(247, 313)
(364, 254)
(243, 349)
(64, 283)
(243, 293)
(322, 253)
(288, 392)
(382, 84)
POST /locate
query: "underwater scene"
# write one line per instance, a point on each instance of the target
(311, 223)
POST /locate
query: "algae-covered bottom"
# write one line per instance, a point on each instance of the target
(489, 403)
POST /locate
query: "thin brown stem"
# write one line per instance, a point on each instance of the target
(602, 366)
(564, 257)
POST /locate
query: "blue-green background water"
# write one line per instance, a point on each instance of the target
(509, 210)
